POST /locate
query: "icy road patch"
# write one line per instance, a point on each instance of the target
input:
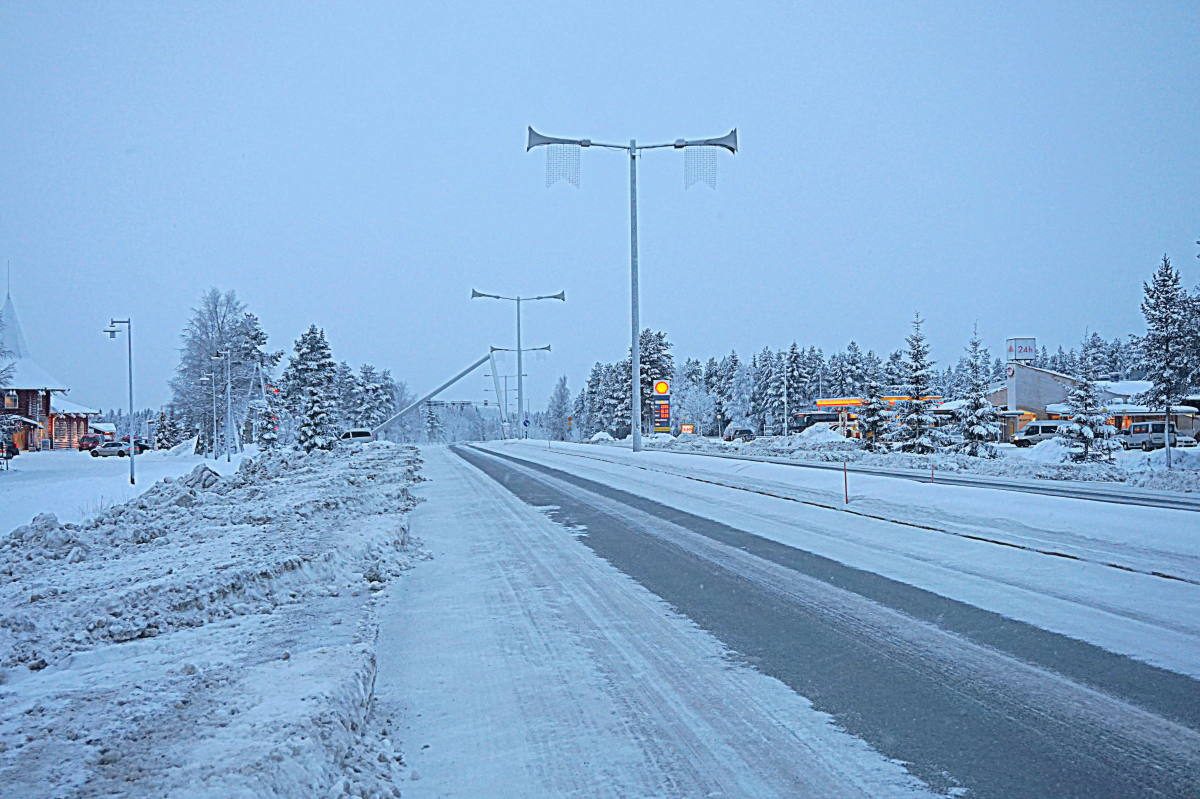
(212, 637)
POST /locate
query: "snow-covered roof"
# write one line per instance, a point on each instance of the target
(1044, 370)
(103, 427)
(28, 421)
(59, 404)
(28, 375)
(950, 405)
(12, 340)
(1124, 388)
(1122, 407)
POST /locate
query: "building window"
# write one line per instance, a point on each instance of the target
(10, 400)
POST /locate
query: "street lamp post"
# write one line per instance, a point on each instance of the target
(211, 379)
(112, 331)
(522, 412)
(562, 296)
(224, 356)
(728, 142)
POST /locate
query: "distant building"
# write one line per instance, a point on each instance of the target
(45, 418)
(1035, 393)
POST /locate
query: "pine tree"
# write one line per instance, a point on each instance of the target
(914, 430)
(433, 424)
(308, 389)
(558, 409)
(266, 423)
(976, 418)
(874, 418)
(894, 373)
(1165, 349)
(712, 385)
(1089, 429)
(797, 380)
(317, 428)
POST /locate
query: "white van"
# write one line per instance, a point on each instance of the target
(1147, 436)
(357, 434)
(1037, 431)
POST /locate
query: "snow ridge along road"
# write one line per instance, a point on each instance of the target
(1097, 492)
(520, 664)
(213, 637)
(967, 698)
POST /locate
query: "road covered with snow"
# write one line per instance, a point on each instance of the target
(214, 636)
(598, 627)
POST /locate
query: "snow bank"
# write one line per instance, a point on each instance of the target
(1047, 460)
(212, 637)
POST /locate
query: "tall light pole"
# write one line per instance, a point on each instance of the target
(224, 356)
(211, 379)
(562, 296)
(112, 331)
(728, 142)
(522, 411)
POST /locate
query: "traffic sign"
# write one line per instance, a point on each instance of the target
(526, 423)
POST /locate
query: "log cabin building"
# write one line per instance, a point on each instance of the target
(44, 417)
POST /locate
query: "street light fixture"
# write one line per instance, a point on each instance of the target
(112, 331)
(561, 296)
(727, 142)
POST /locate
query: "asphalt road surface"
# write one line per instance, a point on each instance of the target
(970, 702)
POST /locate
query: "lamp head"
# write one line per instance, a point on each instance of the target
(111, 330)
(535, 139)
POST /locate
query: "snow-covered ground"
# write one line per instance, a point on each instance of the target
(1047, 460)
(75, 485)
(213, 637)
(984, 547)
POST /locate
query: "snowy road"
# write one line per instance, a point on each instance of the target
(517, 663)
(558, 672)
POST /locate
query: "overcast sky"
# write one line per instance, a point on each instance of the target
(362, 166)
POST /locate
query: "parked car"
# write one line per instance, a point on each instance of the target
(1147, 436)
(1037, 431)
(9, 450)
(110, 448)
(1184, 440)
(736, 431)
(89, 442)
(142, 444)
(357, 434)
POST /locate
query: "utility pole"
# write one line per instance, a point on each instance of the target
(562, 296)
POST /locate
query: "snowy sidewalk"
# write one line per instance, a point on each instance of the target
(518, 663)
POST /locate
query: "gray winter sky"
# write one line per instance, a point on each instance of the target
(361, 166)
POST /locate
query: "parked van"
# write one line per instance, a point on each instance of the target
(1147, 436)
(734, 432)
(1036, 431)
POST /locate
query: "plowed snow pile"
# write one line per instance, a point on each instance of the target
(213, 637)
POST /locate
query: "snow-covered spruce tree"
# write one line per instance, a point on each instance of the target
(797, 379)
(730, 411)
(347, 396)
(691, 401)
(433, 424)
(1088, 432)
(557, 410)
(914, 430)
(976, 419)
(894, 373)
(308, 389)
(875, 417)
(317, 428)
(265, 422)
(1167, 351)
(712, 385)
(657, 363)
(854, 376)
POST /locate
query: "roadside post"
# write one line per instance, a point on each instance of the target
(846, 482)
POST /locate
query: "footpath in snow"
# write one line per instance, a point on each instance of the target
(213, 637)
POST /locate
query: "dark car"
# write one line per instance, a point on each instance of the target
(142, 445)
(10, 450)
